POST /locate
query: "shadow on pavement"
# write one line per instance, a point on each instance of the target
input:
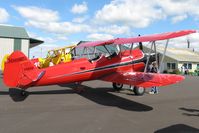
(99, 96)
(190, 112)
(4, 93)
(16, 94)
(178, 128)
(49, 92)
(103, 97)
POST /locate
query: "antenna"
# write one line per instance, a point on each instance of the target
(140, 44)
(188, 43)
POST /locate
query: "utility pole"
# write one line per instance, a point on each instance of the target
(41, 52)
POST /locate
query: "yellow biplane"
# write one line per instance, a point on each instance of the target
(5, 58)
(57, 56)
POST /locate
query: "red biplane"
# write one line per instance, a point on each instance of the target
(114, 63)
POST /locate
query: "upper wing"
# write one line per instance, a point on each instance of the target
(155, 37)
(96, 43)
(147, 38)
(143, 79)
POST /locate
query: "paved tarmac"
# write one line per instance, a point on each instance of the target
(58, 109)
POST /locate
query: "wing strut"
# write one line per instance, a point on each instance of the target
(107, 50)
(156, 56)
(165, 49)
(88, 53)
(131, 49)
(148, 57)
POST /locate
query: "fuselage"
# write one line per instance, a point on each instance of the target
(83, 69)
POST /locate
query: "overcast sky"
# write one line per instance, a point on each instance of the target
(63, 22)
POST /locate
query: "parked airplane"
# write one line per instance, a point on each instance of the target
(113, 63)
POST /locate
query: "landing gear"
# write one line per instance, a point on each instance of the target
(117, 86)
(139, 91)
(79, 88)
(18, 94)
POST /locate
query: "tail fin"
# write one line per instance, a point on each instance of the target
(20, 72)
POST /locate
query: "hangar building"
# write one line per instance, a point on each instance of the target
(175, 58)
(15, 38)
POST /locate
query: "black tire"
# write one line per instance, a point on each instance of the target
(117, 86)
(139, 91)
(18, 94)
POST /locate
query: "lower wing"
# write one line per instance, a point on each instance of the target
(142, 79)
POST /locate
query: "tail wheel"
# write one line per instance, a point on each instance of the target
(23, 93)
(117, 86)
(18, 94)
(5, 58)
(139, 91)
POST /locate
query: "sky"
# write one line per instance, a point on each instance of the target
(63, 22)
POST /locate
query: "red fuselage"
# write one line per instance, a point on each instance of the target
(82, 69)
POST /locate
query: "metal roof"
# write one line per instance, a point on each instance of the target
(179, 54)
(13, 32)
(18, 32)
(35, 42)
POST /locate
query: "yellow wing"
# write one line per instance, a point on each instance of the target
(5, 58)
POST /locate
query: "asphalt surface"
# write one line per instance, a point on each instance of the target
(58, 109)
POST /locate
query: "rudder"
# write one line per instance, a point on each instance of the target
(20, 72)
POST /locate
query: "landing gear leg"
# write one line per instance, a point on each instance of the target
(79, 89)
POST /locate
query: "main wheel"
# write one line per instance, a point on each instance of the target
(139, 91)
(117, 86)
